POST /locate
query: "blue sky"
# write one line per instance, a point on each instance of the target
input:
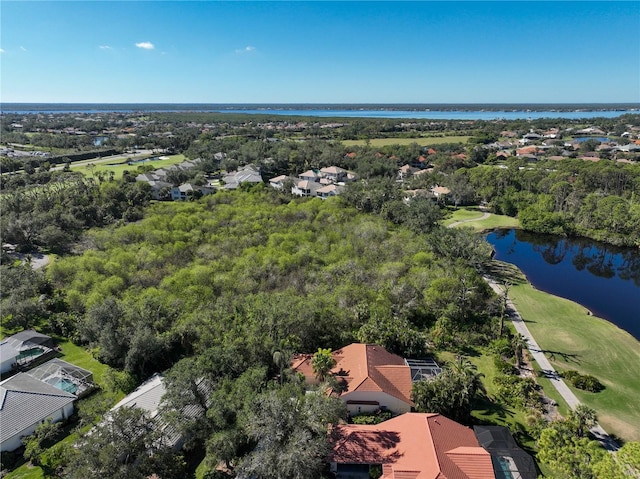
(320, 52)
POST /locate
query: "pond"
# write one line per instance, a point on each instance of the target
(602, 278)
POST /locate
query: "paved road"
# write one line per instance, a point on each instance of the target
(36, 260)
(483, 217)
(548, 369)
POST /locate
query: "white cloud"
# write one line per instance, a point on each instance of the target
(247, 49)
(145, 45)
(105, 47)
(23, 49)
(1, 50)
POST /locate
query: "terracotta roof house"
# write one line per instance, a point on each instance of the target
(373, 378)
(410, 446)
(440, 191)
(527, 150)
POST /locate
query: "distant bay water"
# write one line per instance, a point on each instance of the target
(418, 112)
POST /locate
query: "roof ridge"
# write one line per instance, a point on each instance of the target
(435, 417)
(62, 393)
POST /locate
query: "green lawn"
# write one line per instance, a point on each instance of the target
(26, 472)
(493, 221)
(81, 357)
(422, 141)
(462, 214)
(576, 340)
(121, 165)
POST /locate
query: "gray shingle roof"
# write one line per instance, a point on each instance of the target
(25, 401)
(147, 396)
(30, 336)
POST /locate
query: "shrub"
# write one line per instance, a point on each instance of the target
(502, 347)
(375, 418)
(569, 375)
(588, 383)
(518, 391)
(504, 367)
(583, 381)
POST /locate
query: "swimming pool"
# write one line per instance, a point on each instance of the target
(63, 384)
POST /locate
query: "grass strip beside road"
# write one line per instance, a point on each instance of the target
(573, 339)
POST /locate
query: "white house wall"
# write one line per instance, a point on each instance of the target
(15, 441)
(385, 400)
(6, 364)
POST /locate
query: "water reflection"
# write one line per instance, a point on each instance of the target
(603, 278)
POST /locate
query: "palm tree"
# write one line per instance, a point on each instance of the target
(585, 418)
(322, 363)
(281, 360)
(503, 303)
(468, 372)
(519, 344)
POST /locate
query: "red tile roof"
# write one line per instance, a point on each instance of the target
(365, 367)
(413, 445)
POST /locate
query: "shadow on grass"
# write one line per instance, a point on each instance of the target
(553, 356)
(470, 351)
(494, 413)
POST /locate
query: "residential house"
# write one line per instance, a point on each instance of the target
(371, 378)
(65, 376)
(509, 460)
(527, 150)
(148, 397)
(406, 171)
(309, 175)
(25, 402)
(278, 182)
(334, 173)
(23, 348)
(421, 162)
(306, 188)
(410, 446)
(328, 190)
(187, 190)
(247, 174)
(440, 191)
(158, 189)
(590, 131)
